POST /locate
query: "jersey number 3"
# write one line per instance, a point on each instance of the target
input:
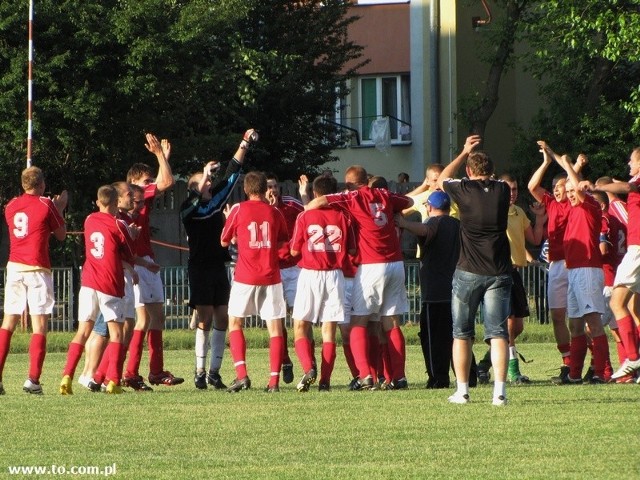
(98, 244)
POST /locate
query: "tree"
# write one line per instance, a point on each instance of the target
(587, 58)
(196, 71)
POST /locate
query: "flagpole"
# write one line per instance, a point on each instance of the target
(30, 87)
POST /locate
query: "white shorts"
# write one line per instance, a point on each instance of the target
(628, 273)
(290, 283)
(557, 284)
(91, 302)
(129, 306)
(379, 288)
(348, 292)
(320, 296)
(149, 288)
(585, 291)
(34, 288)
(264, 300)
(608, 318)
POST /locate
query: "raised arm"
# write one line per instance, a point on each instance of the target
(565, 163)
(162, 151)
(535, 182)
(450, 170)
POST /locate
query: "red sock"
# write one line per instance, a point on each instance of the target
(135, 354)
(5, 343)
(351, 363)
(303, 350)
(622, 354)
(397, 353)
(600, 356)
(285, 346)
(359, 347)
(564, 350)
(578, 352)
(386, 362)
(156, 354)
(328, 361)
(37, 352)
(275, 360)
(629, 336)
(238, 347)
(101, 372)
(114, 351)
(121, 358)
(374, 356)
(73, 357)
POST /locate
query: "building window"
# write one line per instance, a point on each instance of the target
(385, 96)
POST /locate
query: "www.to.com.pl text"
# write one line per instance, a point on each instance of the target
(106, 471)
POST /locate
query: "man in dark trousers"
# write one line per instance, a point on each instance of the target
(439, 244)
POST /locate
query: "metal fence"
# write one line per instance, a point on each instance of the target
(178, 313)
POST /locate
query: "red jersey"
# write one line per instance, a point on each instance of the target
(616, 237)
(290, 207)
(261, 237)
(633, 206)
(30, 220)
(323, 237)
(557, 213)
(143, 242)
(107, 243)
(372, 210)
(618, 209)
(582, 236)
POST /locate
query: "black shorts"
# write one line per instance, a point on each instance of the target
(208, 285)
(519, 299)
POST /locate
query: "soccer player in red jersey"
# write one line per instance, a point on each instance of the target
(323, 238)
(379, 283)
(627, 280)
(289, 269)
(557, 207)
(31, 219)
(585, 302)
(108, 246)
(613, 249)
(149, 293)
(260, 233)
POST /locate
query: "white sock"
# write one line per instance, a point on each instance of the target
(513, 353)
(217, 349)
(499, 388)
(202, 339)
(463, 388)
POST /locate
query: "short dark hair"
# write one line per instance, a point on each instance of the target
(378, 182)
(323, 185)
(138, 170)
(480, 164)
(255, 183)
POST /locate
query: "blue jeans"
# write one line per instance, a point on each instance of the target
(469, 289)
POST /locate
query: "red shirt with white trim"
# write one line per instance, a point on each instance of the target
(323, 237)
(583, 233)
(290, 207)
(107, 244)
(616, 237)
(557, 214)
(633, 207)
(143, 242)
(618, 209)
(262, 239)
(372, 210)
(31, 219)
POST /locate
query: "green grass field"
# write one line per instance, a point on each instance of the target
(546, 431)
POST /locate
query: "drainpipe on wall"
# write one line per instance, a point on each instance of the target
(434, 74)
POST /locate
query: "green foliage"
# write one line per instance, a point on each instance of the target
(587, 59)
(198, 72)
